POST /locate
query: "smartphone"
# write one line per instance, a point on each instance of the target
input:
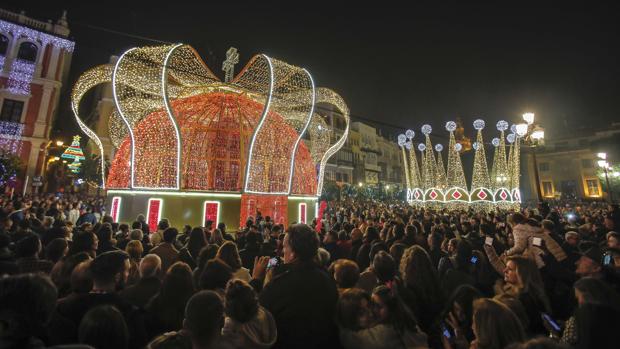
(473, 259)
(273, 262)
(607, 259)
(488, 241)
(554, 325)
(537, 242)
(446, 332)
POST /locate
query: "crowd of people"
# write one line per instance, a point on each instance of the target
(366, 275)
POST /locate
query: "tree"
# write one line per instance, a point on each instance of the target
(613, 174)
(330, 191)
(11, 167)
(91, 168)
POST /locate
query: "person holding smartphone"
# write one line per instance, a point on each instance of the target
(456, 321)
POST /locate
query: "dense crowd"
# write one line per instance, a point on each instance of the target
(366, 275)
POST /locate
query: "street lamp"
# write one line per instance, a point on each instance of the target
(529, 118)
(60, 143)
(360, 184)
(605, 166)
(533, 136)
(602, 163)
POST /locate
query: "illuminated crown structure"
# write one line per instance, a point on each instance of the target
(192, 148)
(431, 185)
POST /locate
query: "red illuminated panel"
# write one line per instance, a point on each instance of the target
(211, 212)
(153, 213)
(115, 209)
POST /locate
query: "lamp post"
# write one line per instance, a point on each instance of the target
(602, 163)
(533, 135)
(47, 161)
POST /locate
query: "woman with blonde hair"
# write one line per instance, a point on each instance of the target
(229, 253)
(524, 282)
(495, 325)
(217, 238)
(134, 249)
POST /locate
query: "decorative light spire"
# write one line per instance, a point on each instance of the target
(480, 176)
(428, 165)
(440, 171)
(455, 174)
(501, 176)
(402, 140)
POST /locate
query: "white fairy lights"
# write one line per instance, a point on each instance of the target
(438, 189)
(177, 127)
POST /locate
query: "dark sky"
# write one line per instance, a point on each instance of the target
(401, 65)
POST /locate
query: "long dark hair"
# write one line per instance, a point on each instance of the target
(400, 316)
(596, 325)
(419, 275)
(176, 290)
(196, 242)
(464, 296)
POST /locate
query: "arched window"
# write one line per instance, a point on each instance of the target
(27, 52)
(4, 45)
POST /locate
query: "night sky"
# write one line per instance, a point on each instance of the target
(400, 65)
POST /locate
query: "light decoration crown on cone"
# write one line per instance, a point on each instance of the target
(431, 185)
(177, 127)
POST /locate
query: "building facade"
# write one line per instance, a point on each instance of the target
(568, 166)
(339, 167)
(35, 57)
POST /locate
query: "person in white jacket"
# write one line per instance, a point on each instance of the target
(521, 232)
(74, 214)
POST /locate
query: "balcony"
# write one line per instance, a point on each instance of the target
(372, 167)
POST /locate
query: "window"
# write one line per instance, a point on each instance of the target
(116, 207)
(561, 145)
(592, 185)
(11, 111)
(547, 188)
(27, 52)
(211, 213)
(4, 45)
(153, 213)
(345, 177)
(543, 166)
(338, 177)
(587, 163)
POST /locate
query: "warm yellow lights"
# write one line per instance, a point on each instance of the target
(168, 85)
(500, 189)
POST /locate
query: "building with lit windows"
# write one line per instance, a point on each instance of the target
(391, 163)
(339, 167)
(567, 166)
(35, 57)
(367, 168)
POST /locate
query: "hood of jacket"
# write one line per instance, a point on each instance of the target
(260, 332)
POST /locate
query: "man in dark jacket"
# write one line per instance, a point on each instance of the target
(148, 285)
(302, 297)
(251, 251)
(109, 272)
